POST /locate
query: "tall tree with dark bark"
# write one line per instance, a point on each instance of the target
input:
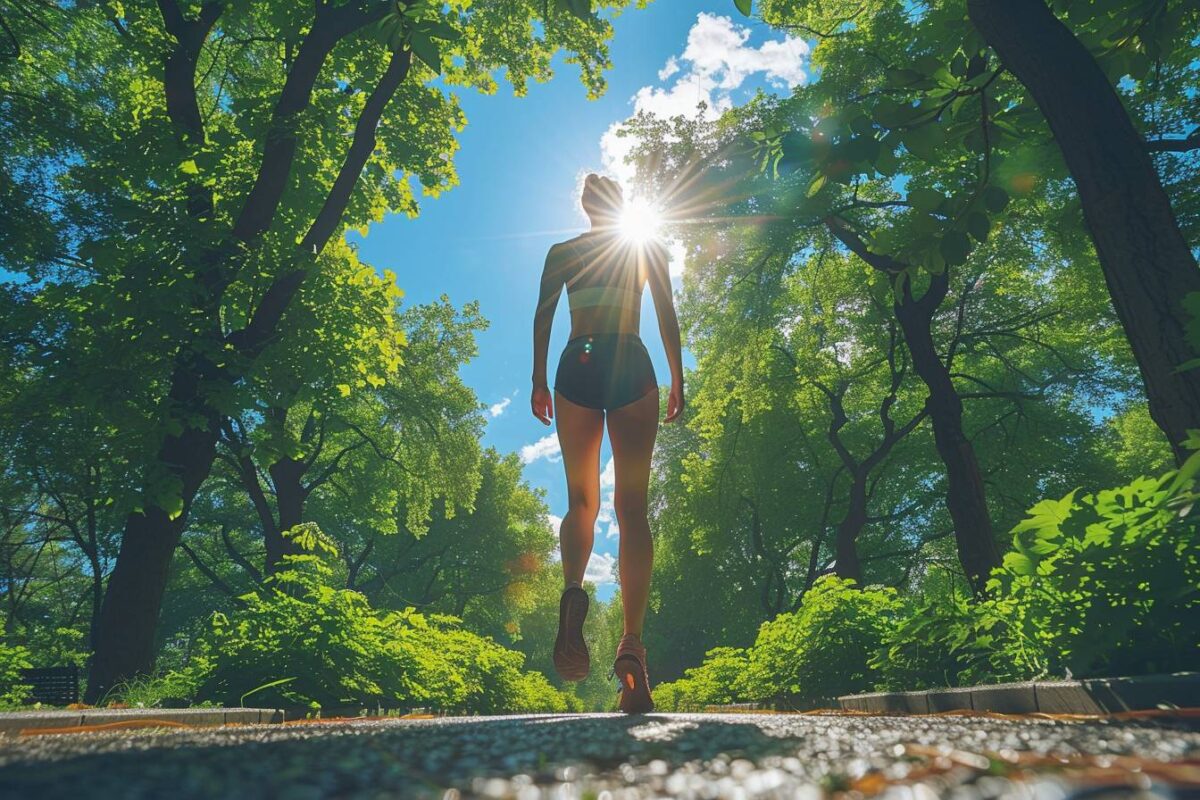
(204, 160)
(1148, 265)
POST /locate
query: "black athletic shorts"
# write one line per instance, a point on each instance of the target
(605, 370)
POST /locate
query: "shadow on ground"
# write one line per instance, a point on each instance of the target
(526, 756)
(337, 759)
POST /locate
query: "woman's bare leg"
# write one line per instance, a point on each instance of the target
(580, 430)
(631, 431)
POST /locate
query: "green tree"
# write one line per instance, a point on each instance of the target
(989, 77)
(202, 159)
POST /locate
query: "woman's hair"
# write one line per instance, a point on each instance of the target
(602, 194)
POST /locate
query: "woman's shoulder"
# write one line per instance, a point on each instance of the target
(567, 251)
(567, 246)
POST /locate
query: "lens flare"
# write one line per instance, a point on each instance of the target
(640, 221)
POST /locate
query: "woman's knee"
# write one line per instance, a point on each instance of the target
(583, 503)
(630, 507)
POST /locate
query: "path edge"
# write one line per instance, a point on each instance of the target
(1088, 696)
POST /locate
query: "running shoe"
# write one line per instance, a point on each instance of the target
(570, 651)
(630, 671)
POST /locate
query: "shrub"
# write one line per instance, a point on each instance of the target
(679, 695)
(538, 695)
(163, 688)
(719, 680)
(13, 659)
(824, 648)
(1099, 585)
(924, 648)
(1096, 585)
(1103, 584)
(300, 641)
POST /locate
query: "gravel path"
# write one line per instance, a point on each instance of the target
(605, 756)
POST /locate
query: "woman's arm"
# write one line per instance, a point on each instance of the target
(659, 278)
(543, 319)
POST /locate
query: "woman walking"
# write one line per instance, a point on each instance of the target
(604, 376)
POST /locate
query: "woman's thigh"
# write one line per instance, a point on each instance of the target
(632, 429)
(580, 430)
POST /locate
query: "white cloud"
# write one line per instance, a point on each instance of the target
(546, 447)
(608, 478)
(716, 61)
(717, 49)
(608, 512)
(555, 525)
(671, 67)
(496, 409)
(600, 569)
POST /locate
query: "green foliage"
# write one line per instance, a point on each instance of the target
(721, 679)
(824, 648)
(925, 646)
(13, 659)
(301, 641)
(168, 688)
(1101, 584)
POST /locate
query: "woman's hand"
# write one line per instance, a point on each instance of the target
(674, 402)
(542, 403)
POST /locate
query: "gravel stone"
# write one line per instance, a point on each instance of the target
(614, 757)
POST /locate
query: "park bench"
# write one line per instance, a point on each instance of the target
(52, 686)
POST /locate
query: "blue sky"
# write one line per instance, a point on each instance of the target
(520, 163)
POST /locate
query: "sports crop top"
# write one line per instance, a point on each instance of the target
(607, 273)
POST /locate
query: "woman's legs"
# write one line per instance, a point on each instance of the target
(631, 431)
(580, 430)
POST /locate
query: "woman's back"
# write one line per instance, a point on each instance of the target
(604, 275)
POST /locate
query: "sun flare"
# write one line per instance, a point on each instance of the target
(640, 220)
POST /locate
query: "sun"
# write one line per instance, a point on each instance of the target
(640, 220)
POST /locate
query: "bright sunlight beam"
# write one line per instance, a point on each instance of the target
(640, 220)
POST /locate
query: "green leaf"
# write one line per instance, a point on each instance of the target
(1019, 563)
(955, 247)
(580, 8)
(886, 162)
(978, 225)
(189, 167)
(817, 184)
(440, 30)
(426, 50)
(923, 142)
(744, 6)
(994, 199)
(925, 199)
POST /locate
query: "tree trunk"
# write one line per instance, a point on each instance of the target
(92, 551)
(129, 614)
(289, 502)
(847, 564)
(1146, 261)
(965, 496)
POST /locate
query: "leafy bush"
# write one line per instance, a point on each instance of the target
(1099, 585)
(538, 694)
(1096, 585)
(300, 641)
(162, 689)
(924, 648)
(824, 648)
(13, 659)
(720, 680)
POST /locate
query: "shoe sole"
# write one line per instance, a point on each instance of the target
(635, 694)
(570, 642)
